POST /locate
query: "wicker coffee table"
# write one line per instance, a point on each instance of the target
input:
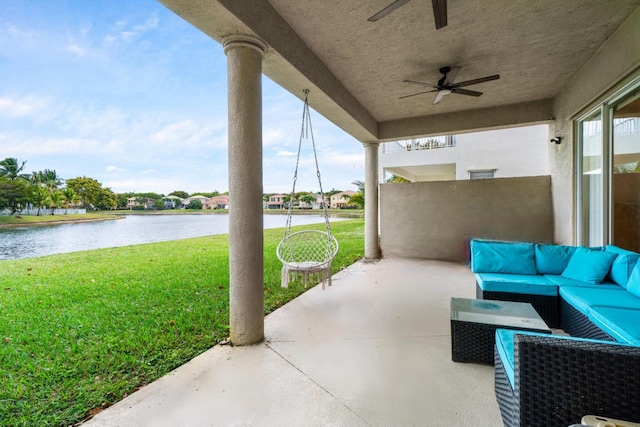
(474, 323)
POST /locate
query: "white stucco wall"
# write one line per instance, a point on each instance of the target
(511, 152)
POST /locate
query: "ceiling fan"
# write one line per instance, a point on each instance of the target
(439, 11)
(446, 86)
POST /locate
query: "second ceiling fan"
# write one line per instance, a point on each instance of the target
(446, 85)
(439, 11)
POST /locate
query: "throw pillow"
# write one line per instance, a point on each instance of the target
(633, 285)
(623, 265)
(553, 259)
(588, 265)
(502, 257)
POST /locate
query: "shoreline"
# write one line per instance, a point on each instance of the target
(59, 222)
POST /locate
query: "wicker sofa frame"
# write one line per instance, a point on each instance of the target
(558, 381)
(546, 306)
(577, 324)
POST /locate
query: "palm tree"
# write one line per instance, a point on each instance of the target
(357, 199)
(70, 197)
(360, 185)
(10, 168)
(40, 197)
(48, 177)
(55, 199)
(397, 179)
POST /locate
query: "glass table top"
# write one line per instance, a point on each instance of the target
(502, 313)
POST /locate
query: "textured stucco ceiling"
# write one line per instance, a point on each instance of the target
(358, 67)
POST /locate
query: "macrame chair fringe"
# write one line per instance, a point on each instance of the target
(307, 254)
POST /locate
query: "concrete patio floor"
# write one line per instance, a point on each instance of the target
(372, 350)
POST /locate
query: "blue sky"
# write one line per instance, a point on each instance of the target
(128, 93)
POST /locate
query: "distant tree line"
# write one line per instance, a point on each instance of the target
(46, 189)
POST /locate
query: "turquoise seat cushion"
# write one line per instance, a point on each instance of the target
(516, 284)
(502, 257)
(564, 281)
(633, 285)
(505, 347)
(582, 298)
(552, 259)
(621, 323)
(623, 265)
(589, 265)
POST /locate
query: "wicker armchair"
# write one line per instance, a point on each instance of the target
(558, 381)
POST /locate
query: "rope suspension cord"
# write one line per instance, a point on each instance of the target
(309, 252)
(305, 131)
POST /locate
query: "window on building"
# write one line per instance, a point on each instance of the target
(482, 174)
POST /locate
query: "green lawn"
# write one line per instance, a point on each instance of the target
(81, 331)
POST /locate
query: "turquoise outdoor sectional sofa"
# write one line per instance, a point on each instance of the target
(593, 294)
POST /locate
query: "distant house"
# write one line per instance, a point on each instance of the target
(131, 202)
(321, 202)
(220, 202)
(316, 203)
(140, 203)
(276, 201)
(341, 199)
(206, 201)
(172, 202)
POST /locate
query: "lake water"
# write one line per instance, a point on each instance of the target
(25, 242)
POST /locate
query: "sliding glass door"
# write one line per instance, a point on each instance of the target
(608, 206)
(591, 206)
(626, 174)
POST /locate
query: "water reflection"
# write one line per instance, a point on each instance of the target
(25, 242)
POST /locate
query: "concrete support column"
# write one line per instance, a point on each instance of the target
(246, 264)
(371, 247)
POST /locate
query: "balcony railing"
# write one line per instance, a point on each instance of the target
(417, 144)
(624, 126)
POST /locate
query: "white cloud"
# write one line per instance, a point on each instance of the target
(20, 107)
(76, 50)
(122, 31)
(284, 153)
(271, 136)
(112, 168)
(67, 146)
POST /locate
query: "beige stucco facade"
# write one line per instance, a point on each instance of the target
(435, 220)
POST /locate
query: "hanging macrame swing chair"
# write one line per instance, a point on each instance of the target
(309, 252)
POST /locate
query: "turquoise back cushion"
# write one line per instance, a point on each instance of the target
(502, 257)
(552, 259)
(623, 265)
(633, 285)
(589, 265)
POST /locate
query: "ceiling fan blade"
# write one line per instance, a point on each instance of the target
(451, 76)
(440, 13)
(465, 92)
(476, 81)
(419, 93)
(439, 97)
(387, 10)
(415, 82)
